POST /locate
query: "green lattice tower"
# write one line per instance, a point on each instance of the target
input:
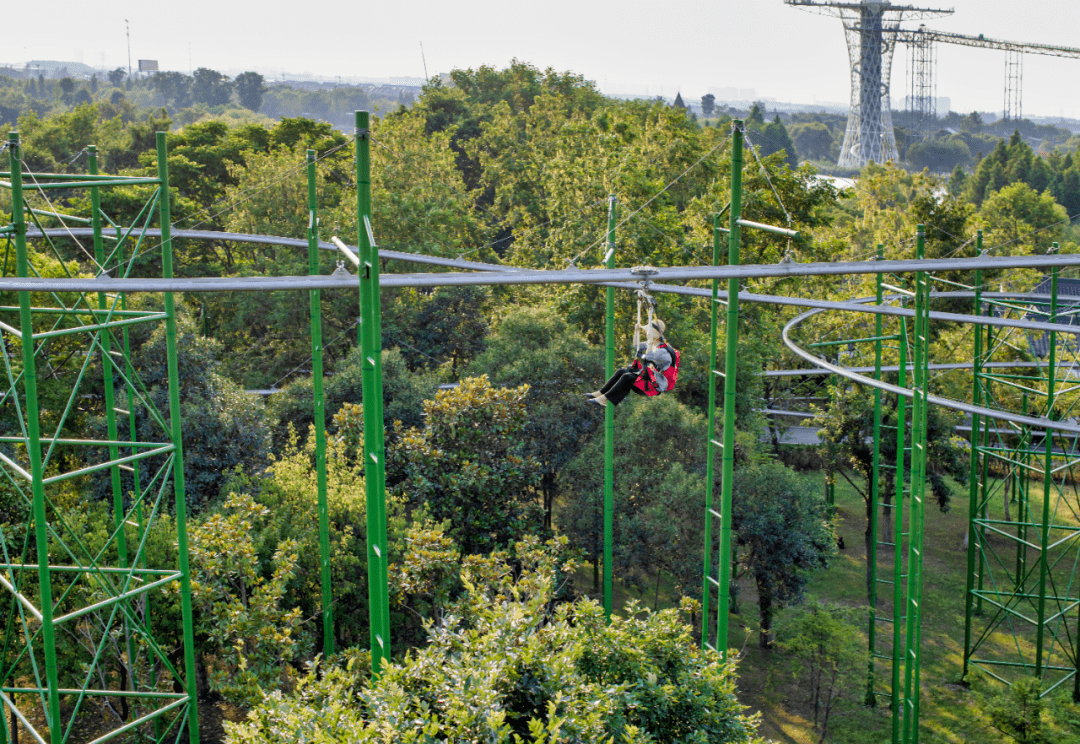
(895, 557)
(718, 551)
(78, 627)
(1023, 582)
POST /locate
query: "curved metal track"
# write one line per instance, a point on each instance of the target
(1037, 422)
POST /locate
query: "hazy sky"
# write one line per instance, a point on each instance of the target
(632, 46)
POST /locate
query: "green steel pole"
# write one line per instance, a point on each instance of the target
(918, 498)
(33, 444)
(984, 481)
(731, 332)
(609, 421)
(319, 406)
(107, 367)
(1020, 482)
(710, 453)
(179, 491)
(110, 400)
(896, 704)
(129, 371)
(1048, 477)
(875, 492)
(374, 448)
(973, 496)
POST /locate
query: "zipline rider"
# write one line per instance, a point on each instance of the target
(656, 363)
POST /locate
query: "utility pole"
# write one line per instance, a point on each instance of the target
(128, 26)
(422, 57)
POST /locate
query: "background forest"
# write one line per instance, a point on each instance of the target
(494, 478)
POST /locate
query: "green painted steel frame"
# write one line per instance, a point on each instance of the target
(115, 583)
(905, 656)
(372, 386)
(609, 419)
(1022, 596)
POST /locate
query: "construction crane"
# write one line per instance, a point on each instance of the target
(870, 28)
(923, 102)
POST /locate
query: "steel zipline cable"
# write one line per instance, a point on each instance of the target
(625, 279)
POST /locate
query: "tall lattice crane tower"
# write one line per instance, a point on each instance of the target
(869, 135)
(922, 69)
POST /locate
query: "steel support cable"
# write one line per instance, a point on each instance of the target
(66, 230)
(280, 241)
(247, 194)
(244, 197)
(654, 197)
(297, 368)
(487, 211)
(1037, 422)
(768, 180)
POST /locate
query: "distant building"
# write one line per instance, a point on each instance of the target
(55, 69)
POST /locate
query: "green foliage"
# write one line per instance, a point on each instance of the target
(813, 140)
(783, 532)
(1020, 713)
(250, 89)
(506, 667)
(335, 106)
(1022, 220)
(223, 427)
(775, 138)
(210, 87)
(174, 87)
(467, 465)
(939, 156)
(251, 639)
(404, 392)
(289, 494)
(659, 462)
(1015, 163)
(825, 643)
(536, 346)
(428, 576)
(446, 327)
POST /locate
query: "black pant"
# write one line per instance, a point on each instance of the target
(620, 384)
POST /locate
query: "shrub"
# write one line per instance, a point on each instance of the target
(507, 667)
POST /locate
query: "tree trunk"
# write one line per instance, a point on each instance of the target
(547, 487)
(656, 596)
(1006, 493)
(868, 537)
(765, 615)
(887, 513)
(831, 696)
(733, 584)
(123, 671)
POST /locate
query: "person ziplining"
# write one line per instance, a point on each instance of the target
(655, 367)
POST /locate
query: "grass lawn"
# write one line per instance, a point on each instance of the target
(950, 712)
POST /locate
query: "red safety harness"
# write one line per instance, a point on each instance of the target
(646, 381)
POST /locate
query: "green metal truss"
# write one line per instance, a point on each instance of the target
(1023, 577)
(61, 591)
